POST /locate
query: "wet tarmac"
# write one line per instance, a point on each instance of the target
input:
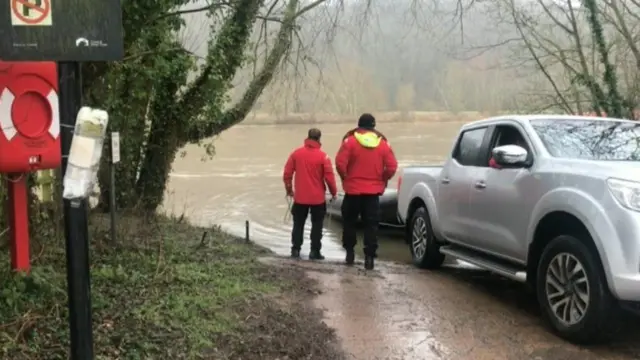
(397, 312)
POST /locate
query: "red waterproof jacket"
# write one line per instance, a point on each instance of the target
(365, 162)
(307, 171)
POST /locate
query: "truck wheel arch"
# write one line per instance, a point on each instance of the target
(551, 225)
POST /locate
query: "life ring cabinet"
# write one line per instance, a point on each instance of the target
(29, 117)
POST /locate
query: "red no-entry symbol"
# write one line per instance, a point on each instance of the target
(31, 12)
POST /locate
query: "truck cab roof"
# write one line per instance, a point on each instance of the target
(525, 118)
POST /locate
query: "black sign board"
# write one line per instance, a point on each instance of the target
(61, 30)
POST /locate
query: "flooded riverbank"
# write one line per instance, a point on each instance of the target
(243, 181)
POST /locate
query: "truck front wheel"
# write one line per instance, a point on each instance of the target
(572, 290)
(425, 250)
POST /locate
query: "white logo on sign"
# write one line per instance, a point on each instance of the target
(81, 41)
(31, 13)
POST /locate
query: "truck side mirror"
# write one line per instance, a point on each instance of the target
(510, 156)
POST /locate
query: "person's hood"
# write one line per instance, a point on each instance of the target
(368, 139)
(310, 143)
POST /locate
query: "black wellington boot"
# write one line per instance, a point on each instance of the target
(315, 255)
(368, 262)
(350, 258)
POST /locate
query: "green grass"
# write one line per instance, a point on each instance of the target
(161, 294)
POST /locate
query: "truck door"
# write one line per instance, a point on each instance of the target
(455, 187)
(502, 200)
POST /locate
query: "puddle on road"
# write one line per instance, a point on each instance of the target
(391, 245)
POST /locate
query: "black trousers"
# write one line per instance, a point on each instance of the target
(367, 208)
(300, 213)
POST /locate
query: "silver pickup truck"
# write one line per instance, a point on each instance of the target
(553, 201)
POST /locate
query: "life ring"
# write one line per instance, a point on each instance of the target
(7, 124)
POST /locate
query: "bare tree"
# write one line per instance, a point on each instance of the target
(579, 51)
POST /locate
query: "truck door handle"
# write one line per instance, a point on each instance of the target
(445, 180)
(480, 185)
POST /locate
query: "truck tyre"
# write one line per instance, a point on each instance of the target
(572, 291)
(425, 250)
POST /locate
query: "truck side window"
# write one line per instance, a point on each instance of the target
(509, 135)
(469, 145)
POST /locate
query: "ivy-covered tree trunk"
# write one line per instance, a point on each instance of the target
(127, 107)
(125, 88)
(187, 121)
(161, 149)
(612, 101)
(154, 108)
(162, 142)
(224, 59)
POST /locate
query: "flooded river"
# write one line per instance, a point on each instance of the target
(243, 181)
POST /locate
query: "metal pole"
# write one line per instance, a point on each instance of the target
(75, 222)
(112, 194)
(19, 222)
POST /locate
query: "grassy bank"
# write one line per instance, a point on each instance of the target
(164, 293)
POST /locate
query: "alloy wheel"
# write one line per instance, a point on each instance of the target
(567, 288)
(419, 238)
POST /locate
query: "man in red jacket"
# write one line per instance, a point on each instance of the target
(365, 163)
(309, 168)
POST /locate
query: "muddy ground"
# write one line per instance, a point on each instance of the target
(398, 312)
(284, 326)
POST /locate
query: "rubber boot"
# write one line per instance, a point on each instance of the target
(315, 255)
(295, 254)
(368, 262)
(350, 258)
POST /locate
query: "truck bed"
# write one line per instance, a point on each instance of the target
(411, 176)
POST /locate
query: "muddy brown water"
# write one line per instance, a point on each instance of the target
(396, 312)
(244, 179)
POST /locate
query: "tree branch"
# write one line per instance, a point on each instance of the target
(239, 111)
(208, 7)
(223, 60)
